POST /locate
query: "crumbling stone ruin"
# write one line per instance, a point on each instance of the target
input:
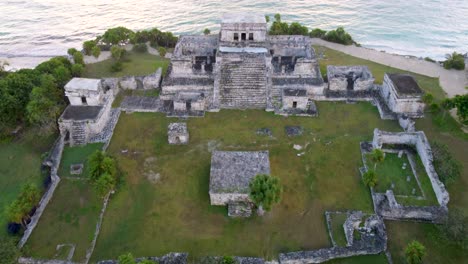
(372, 240)
(385, 204)
(403, 94)
(177, 134)
(349, 78)
(230, 175)
(242, 67)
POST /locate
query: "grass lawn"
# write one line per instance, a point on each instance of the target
(175, 215)
(133, 64)
(124, 93)
(438, 127)
(76, 155)
(390, 171)
(70, 218)
(20, 163)
(337, 221)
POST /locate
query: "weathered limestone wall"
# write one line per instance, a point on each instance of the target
(53, 160)
(412, 106)
(419, 140)
(128, 83)
(92, 97)
(300, 100)
(225, 198)
(406, 123)
(307, 67)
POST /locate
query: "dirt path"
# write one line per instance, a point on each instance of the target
(452, 82)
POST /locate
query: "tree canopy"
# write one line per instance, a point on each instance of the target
(265, 191)
(103, 172)
(415, 252)
(454, 61)
(370, 178)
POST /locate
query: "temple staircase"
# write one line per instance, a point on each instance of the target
(78, 134)
(243, 82)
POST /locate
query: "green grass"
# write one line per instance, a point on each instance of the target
(441, 127)
(390, 171)
(333, 57)
(75, 155)
(20, 163)
(70, 218)
(133, 64)
(175, 215)
(337, 221)
(124, 93)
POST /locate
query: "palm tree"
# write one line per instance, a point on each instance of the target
(377, 156)
(415, 252)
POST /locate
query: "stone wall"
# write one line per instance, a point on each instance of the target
(171, 258)
(301, 102)
(419, 141)
(225, 198)
(53, 161)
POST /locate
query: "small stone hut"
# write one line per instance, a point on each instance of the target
(402, 94)
(231, 173)
(177, 134)
(351, 78)
(295, 99)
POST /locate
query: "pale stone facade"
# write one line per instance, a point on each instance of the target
(177, 134)
(240, 68)
(403, 95)
(352, 78)
(83, 91)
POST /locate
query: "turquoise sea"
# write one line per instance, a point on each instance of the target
(410, 27)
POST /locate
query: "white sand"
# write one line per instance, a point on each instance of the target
(453, 82)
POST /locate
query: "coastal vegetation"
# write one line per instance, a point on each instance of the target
(454, 61)
(338, 35)
(415, 252)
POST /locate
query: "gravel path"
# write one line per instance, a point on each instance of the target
(452, 82)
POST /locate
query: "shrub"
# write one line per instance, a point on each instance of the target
(428, 98)
(140, 47)
(88, 46)
(13, 228)
(72, 51)
(317, 33)
(117, 35)
(206, 31)
(265, 191)
(228, 260)
(117, 52)
(429, 59)
(117, 66)
(162, 51)
(339, 36)
(415, 252)
(78, 58)
(298, 29)
(454, 61)
(127, 259)
(370, 178)
(77, 70)
(96, 51)
(103, 172)
(448, 168)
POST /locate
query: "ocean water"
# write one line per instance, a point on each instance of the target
(42, 28)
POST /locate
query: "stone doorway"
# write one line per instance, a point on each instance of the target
(188, 105)
(350, 80)
(83, 100)
(294, 105)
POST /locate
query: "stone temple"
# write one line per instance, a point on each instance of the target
(230, 176)
(242, 67)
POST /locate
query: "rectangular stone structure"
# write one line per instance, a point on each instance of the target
(231, 173)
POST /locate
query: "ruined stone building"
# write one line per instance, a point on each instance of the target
(349, 78)
(88, 112)
(403, 94)
(242, 67)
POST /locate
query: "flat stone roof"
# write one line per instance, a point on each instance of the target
(81, 112)
(405, 84)
(177, 128)
(232, 171)
(247, 18)
(83, 84)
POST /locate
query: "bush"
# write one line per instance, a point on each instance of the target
(429, 59)
(117, 67)
(140, 48)
(103, 172)
(117, 52)
(339, 36)
(448, 168)
(96, 51)
(118, 35)
(13, 228)
(298, 29)
(127, 259)
(317, 33)
(162, 51)
(207, 31)
(88, 47)
(370, 178)
(455, 61)
(455, 228)
(77, 70)
(265, 191)
(415, 252)
(228, 260)
(78, 58)
(72, 51)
